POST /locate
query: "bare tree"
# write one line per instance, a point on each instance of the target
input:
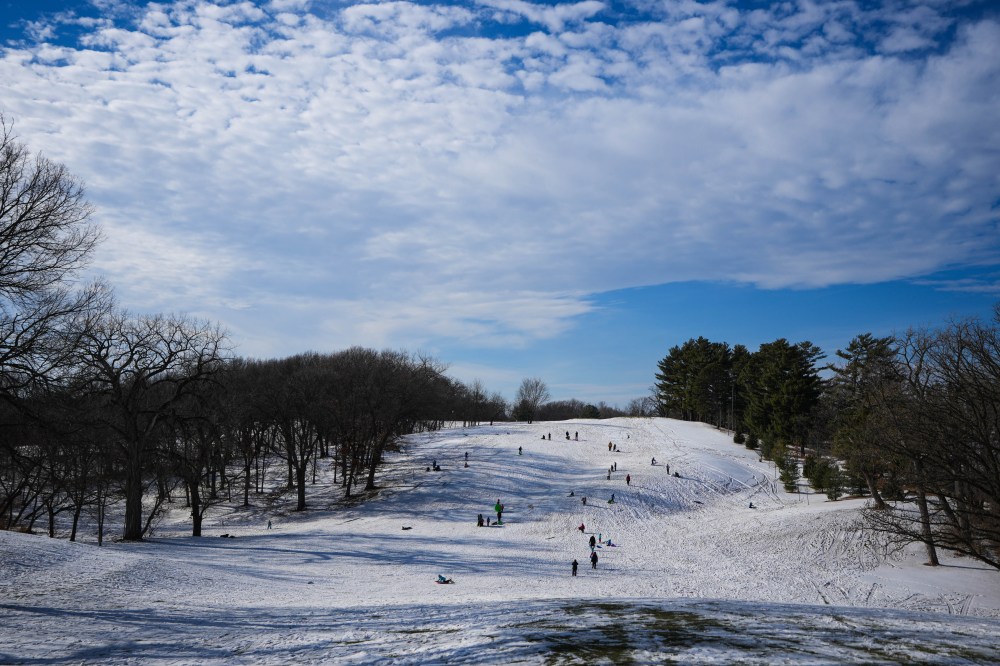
(140, 370)
(45, 239)
(531, 395)
(946, 424)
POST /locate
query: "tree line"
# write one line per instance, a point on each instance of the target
(101, 407)
(910, 420)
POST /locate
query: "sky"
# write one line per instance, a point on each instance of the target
(560, 190)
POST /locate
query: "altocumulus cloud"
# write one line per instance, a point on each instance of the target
(317, 174)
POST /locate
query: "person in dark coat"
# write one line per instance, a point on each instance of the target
(628, 479)
(593, 541)
(575, 565)
(593, 560)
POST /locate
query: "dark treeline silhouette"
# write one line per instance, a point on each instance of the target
(913, 421)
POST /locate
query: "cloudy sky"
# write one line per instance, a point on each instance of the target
(556, 189)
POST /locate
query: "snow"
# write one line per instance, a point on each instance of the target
(696, 576)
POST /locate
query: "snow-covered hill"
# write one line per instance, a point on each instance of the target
(695, 575)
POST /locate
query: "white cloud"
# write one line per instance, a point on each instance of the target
(397, 172)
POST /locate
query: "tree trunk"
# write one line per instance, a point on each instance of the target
(300, 480)
(873, 489)
(195, 510)
(76, 521)
(925, 528)
(133, 495)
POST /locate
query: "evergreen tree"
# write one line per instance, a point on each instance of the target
(695, 381)
(859, 389)
(782, 385)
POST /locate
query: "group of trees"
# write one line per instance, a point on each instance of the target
(100, 407)
(911, 420)
(770, 392)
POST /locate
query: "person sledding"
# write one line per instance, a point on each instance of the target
(444, 581)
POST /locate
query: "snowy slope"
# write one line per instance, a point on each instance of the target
(695, 577)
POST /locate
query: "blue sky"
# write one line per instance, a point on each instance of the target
(560, 190)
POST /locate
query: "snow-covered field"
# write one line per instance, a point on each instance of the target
(695, 575)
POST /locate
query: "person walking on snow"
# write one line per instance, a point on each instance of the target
(575, 565)
(593, 542)
(628, 479)
(609, 446)
(498, 507)
(593, 560)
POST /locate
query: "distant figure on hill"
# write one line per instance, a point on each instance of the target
(498, 507)
(628, 479)
(581, 528)
(654, 462)
(576, 436)
(593, 560)
(609, 446)
(584, 500)
(612, 500)
(593, 541)
(668, 468)
(269, 524)
(616, 448)
(550, 436)
(466, 455)
(575, 565)
(480, 521)
(752, 506)
(519, 450)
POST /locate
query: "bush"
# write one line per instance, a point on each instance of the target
(789, 476)
(835, 484)
(752, 442)
(738, 438)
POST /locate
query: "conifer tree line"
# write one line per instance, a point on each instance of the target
(107, 412)
(911, 420)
